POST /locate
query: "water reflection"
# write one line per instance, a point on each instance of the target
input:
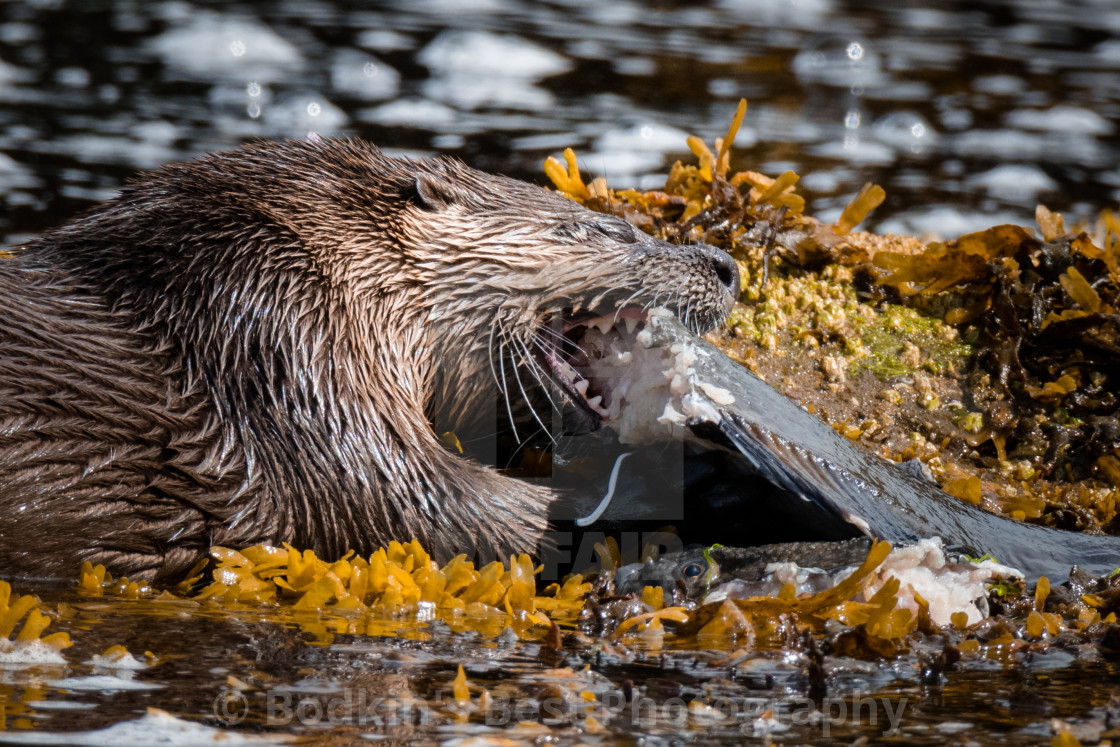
(117, 85)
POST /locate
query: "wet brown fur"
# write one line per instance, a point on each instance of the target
(262, 345)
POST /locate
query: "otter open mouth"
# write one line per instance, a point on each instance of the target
(589, 355)
(616, 374)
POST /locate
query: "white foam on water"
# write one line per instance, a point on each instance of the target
(1063, 119)
(360, 75)
(644, 137)
(947, 222)
(1000, 144)
(856, 150)
(299, 114)
(1047, 146)
(626, 153)
(156, 727)
(425, 113)
(60, 705)
(1018, 182)
(227, 47)
(828, 180)
(467, 90)
(127, 661)
(999, 85)
(805, 14)
(491, 55)
(143, 145)
(838, 61)
(12, 74)
(905, 131)
(28, 652)
(621, 168)
(15, 175)
(384, 40)
(103, 683)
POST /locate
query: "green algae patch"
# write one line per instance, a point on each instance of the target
(900, 341)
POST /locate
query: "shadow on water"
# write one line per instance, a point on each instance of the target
(967, 113)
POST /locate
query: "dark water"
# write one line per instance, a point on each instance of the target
(967, 113)
(238, 675)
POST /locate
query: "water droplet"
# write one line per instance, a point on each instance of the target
(313, 109)
(254, 110)
(253, 89)
(237, 48)
(855, 51)
(852, 119)
(646, 132)
(370, 70)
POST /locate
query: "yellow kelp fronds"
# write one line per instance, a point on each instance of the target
(766, 621)
(25, 608)
(394, 580)
(869, 198)
(96, 581)
(566, 176)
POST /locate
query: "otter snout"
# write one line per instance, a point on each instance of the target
(727, 271)
(703, 281)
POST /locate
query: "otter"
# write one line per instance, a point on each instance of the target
(263, 345)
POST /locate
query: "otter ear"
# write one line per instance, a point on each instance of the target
(434, 191)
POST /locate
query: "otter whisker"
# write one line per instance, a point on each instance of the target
(520, 446)
(490, 355)
(537, 369)
(544, 328)
(516, 372)
(517, 347)
(677, 294)
(505, 390)
(625, 302)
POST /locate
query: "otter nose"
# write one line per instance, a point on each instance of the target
(724, 265)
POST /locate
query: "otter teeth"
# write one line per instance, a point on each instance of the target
(568, 371)
(604, 339)
(596, 404)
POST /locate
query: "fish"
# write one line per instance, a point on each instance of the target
(755, 463)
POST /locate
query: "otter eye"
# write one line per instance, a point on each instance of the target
(568, 232)
(692, 570)
(617, 231)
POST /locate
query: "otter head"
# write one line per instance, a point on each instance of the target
(515, 277)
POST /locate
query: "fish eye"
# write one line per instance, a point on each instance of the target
(692, 570)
